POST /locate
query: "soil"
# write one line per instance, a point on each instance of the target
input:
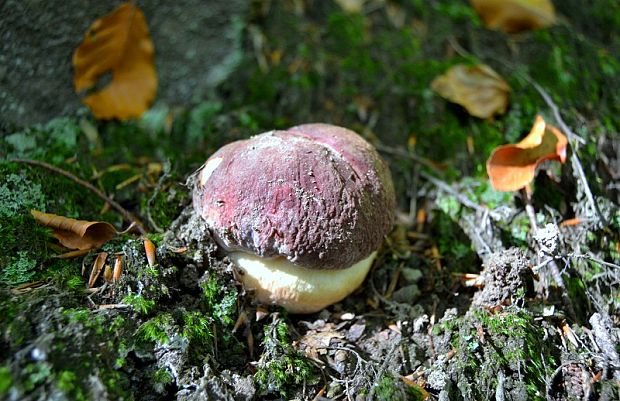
(475, 294)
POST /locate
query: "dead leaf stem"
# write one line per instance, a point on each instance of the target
(130, 218)
(553, 266)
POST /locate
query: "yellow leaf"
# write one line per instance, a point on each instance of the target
(118, 43)
(513, 16)
(479, 89)
(512, 167)
(76, 234)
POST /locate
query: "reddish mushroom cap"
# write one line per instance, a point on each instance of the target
(316, 194)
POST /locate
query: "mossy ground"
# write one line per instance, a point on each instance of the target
(412, 332)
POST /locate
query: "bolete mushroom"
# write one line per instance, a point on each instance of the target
(300, 212)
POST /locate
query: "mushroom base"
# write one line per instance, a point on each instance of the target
(277, 281)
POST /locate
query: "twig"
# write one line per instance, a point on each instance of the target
(460, 197)
(382, 369)
(156, 191)
(408, 155)
(125, 213)
(574, 157)
(553, 267)
(555, 373)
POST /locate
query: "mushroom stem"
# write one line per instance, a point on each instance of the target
(298, 289)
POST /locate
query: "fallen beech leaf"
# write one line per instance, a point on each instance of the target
(76, 234)
(513, 16)
(118, 43)
(512, 167)
(478, 88)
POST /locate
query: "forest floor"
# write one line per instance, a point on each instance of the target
(476, 294)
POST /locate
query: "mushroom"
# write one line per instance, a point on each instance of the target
(301, 212)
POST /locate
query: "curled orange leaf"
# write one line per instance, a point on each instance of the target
(481, 90)
(118, 43)
(76, 234)
(512, 16)
(512, 167)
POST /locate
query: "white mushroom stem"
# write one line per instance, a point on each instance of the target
(298, 289)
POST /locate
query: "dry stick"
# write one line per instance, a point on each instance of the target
(574, 158)
(382, 369)
(125, 213)
(436, 181)
(553, 267)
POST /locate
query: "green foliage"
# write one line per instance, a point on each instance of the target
(157, 330)
(6, 380)
(281, 369)
(35, 374)
(512, 342)
(66, 382)
(139, 303)
(20, 269)
(220, 300)
(162, 376)
(197, 328)
(19, 194)
(454, 246)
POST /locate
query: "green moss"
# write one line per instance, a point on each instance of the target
(281, 369)
(510, 338)
(156, 330)
(35, 374)
(6, 380)
(67, 382)
(139, 303)
(197, 328)
(220, 300)
(162, 376)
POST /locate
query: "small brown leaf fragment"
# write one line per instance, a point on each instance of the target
(118, 269)
(512, 167)
(149, 248)
(76, 234)
(118, 43)
(107, 273)
(512, 16)
(479, 89)
(419, 393)
(97, 267)
(575, 221)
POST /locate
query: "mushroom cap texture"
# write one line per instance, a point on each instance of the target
(317, 194)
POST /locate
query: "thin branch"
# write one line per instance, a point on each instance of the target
(553, 266)
(574, 157)
(436, 181)
(460, 197)
(124, 212)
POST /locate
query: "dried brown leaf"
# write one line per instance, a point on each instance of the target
(97, 267)
(118, 269)
(478, 88)
(118, 43)
(513, 16)
(512, 167)
(76, 234)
